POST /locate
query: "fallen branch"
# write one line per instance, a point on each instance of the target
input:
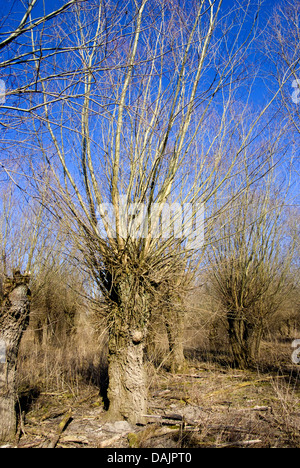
(28, 445)
(54, 414)
(137, 440)
(174, 417)
(167, 418)
(107, 442)
(245, 443)
(83, 400)
(261, 408)
(233, 388)
(62, 426)
(74, 439)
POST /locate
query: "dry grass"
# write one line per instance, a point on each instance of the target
(79, 362)
(220, 406)
(232, 408)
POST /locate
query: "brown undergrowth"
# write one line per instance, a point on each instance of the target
(62, 403)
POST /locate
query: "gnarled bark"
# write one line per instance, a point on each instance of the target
(14, 319)
(245, 339)
(127, 392)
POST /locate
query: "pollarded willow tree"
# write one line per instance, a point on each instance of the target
(14, 319)
(23, 235)
(139, 128)
(250, 265)
(20, 239)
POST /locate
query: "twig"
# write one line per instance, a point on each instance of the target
(191, 376)
(29, 445)
(54, 414)
(245, 443)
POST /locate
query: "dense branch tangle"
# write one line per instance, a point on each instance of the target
(249, 267)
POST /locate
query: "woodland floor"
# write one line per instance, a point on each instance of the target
(207, 406)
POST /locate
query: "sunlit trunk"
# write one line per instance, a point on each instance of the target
(245, 341)
(14, 320)
(127, 392)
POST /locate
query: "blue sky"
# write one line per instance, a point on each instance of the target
(49, 5)
(259, 90)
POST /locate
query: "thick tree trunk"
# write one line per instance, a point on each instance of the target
(14, 319)
(127, 392)
(245, 340)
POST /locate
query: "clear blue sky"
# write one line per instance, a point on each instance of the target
(17, 8)
(49, 5)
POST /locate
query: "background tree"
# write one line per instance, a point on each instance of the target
(168, 312)
(149, 121)
(14, 319)
(57, 293)
(20, 240)
(135, 110)
(250, 267)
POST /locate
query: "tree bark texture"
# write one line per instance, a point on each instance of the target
(127, 392)
(14, 319)
(245, 339)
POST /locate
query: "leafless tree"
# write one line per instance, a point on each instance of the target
(281, 43)
(250, 266)
(141, 119)
(14, 318)
(21, 242)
